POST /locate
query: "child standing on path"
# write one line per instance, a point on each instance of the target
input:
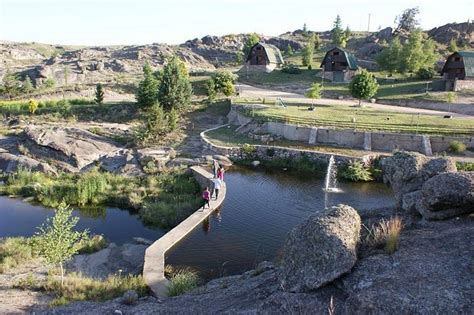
(206, 196)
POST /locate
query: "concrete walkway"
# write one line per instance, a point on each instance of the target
(248, 91)
(154, 266)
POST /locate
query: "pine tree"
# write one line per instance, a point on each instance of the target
(317, 42)
(99, 93)
(147, 91)
(9, 86)
(175, 89)
(363, 85)
(338, 34)
(407, 20)
(211, 90)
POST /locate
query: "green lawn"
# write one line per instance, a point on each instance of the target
(365, 118)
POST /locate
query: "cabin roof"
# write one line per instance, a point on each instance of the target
(272, 52)
(468, 61)
(350, 58)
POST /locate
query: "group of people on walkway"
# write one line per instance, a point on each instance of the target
(217, 183)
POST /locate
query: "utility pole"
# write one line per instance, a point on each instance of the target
(368, 25)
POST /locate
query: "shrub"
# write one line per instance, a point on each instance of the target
(15, 251)
(386, 234)
(270, 152)
(64, 108)
(465, 166)
(89, 245)
(32, 106)
(425, 73)
(182, 282)
(457, 147)
(290, 68)
(355, 171)
(249, 149)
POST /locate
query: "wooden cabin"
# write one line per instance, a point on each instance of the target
(338, 65)
(458, 71)
(264, 57)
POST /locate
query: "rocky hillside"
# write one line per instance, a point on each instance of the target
(119, 64)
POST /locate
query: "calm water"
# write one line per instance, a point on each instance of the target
(259, 210)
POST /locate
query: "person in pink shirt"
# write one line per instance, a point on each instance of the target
(220, 174)
(206, 197)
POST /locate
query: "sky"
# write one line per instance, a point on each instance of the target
(114, 22)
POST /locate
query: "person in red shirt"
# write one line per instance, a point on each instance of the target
(220, 174)
(206, 196)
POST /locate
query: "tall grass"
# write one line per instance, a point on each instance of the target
(182, 282)
(162, 200)
(15, 251)
(386, 234)
(44, 107)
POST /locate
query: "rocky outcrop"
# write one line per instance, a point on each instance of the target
(321, 249)
(125, 259)
(10, 163)
(157, 156)
(447, 195)
(77, 147)
(406, 172)
(463, 33)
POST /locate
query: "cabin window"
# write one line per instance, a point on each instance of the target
(336, 53)
(259, 48)
(457, 58)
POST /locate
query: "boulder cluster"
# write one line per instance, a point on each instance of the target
(430, 186)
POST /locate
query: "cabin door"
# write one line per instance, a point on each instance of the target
(338, 76)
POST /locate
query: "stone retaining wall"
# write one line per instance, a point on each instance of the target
(379, 141)
(154, 266)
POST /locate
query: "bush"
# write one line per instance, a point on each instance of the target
(89, 245)
(249, 149)
(465, 166)
(32, 106)
(290, 68)
(457, 147)
(182, 282)
(386, 234)
(425, 73)
(15, 251)
(355, 171)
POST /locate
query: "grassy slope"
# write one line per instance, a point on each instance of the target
(366, 119)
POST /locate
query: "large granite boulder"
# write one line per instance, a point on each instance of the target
(406, 172)
(321, 249)
(10, 163)
(447, 195)
(74, 146)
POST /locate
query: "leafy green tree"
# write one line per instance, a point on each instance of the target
(239, 57)
(347, 33)
(32, 106)
(407, 20)
(453, 46)
(389, 58)
(99, 93)
(224, 82)
(175, 88)
(314, 92)
(308, 52)
(289, 51)
(27, 85)
(416, 54)
(147, 91)
(249, 43)
(211, 89)
(57, 241)
(363, 85)
(338, 34)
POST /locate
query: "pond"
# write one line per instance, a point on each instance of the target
(260, 209)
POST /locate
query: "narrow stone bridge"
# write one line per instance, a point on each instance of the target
(154, 266)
